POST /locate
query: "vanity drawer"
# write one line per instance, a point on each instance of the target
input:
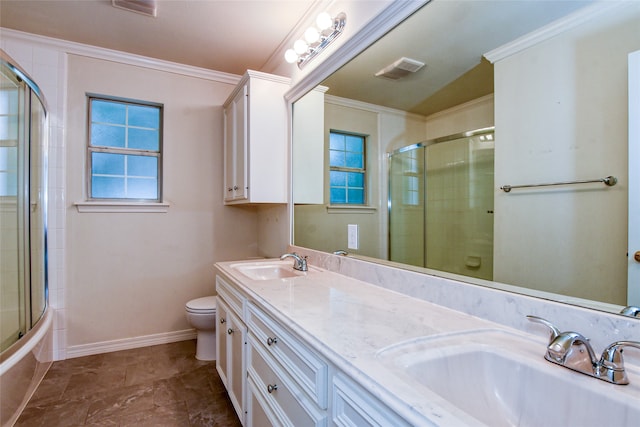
(231, 296)
(354, 406)
(297, 359)
(277, 392)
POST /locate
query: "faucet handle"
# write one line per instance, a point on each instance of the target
(612, 364)
(631, 311)
(554, 331)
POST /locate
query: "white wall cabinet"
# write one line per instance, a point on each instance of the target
(255, 140)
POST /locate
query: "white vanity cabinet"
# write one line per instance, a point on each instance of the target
(286, 379)
(275, 378)
(231, 334)
(255, 140)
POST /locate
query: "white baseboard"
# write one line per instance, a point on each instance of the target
(129, 343)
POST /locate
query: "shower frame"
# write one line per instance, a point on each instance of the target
(416, 146)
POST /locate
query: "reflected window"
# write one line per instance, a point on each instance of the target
(125, 149)
(347, 168)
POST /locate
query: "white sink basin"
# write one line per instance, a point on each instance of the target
(503, 380)
(269, 270)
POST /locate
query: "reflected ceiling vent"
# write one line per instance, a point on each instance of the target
(144, 7)
(399, 69)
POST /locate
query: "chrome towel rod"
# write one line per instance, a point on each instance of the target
(609, 181)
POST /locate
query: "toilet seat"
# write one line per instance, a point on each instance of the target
(204, 305)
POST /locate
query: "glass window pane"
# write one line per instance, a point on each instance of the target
(107, 136)
(355, 143)
(107, 187)
(142, 166)
(338, 195)
(107, 164)
(336, 158)
(108, 112)
(356, 196)
(355, 179)
(143, 139)
(354, 160)
(142, 188)
(142, 116)
(336, 141)
(337, 179)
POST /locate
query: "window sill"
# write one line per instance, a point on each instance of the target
(350, 209)
(122, 207)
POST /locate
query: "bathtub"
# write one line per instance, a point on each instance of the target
(23, 366)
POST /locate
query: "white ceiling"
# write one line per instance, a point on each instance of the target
(450, 37)
(223, 35)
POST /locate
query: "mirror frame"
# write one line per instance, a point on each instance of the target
(387, 20)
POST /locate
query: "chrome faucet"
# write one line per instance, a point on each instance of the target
(572, 350)
(341, 252)
(300, 263)
(631, 311)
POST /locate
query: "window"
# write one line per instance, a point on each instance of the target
(125, 149)
(347, 168)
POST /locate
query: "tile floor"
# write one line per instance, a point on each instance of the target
(162, 385)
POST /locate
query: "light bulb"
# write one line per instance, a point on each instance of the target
(324, 21)
(290, 56)
(311, 35)
(300, 47)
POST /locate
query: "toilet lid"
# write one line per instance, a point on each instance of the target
(207, 304)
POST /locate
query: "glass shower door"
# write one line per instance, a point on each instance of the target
(441, 204)
(12, 224)
(407, 207)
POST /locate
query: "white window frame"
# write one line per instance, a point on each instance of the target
(121, 202)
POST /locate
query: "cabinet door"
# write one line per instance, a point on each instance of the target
(229, 152)
(221, 341)
(236, 370)
(241, 141)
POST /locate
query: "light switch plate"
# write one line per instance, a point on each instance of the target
(352, 236)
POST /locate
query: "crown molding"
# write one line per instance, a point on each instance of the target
(553, 29)
(96, 52)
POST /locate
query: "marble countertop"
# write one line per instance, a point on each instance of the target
(351, 322)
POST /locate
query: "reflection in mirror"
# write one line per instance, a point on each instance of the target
(548, 83)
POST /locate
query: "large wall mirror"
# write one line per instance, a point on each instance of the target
(402, 154)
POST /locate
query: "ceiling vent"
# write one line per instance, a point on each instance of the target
(144, 7)
(399, 69)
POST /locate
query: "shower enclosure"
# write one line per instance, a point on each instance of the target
(441, 204)
(23, 197)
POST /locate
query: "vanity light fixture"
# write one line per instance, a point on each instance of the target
(316, 38)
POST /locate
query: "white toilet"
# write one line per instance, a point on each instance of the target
(201, 314)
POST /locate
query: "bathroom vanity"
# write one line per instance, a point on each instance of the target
(321, 348)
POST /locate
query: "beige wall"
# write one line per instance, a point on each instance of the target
(561, 115)
(130, 274)
(315, 227)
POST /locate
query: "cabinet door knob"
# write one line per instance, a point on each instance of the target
(229, 331)
(272, 388)
(229, 189)
(235, 187)
(222, 320)
(271, 341)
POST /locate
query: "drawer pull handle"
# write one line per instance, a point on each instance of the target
(223, 320)
(229, 331)
(272, 388)
(271, 341)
